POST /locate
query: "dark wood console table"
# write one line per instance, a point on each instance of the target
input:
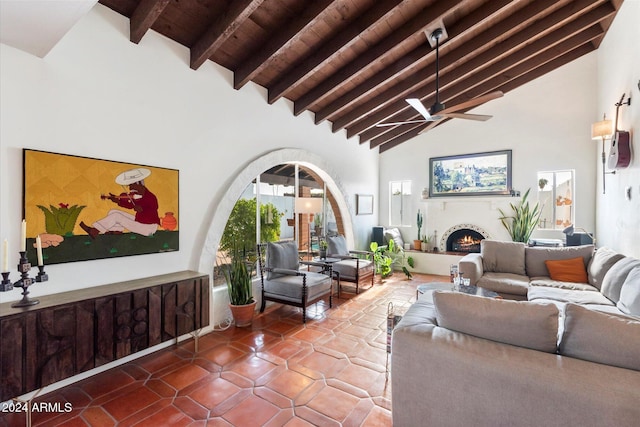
(73, 332)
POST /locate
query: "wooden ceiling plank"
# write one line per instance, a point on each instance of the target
(263, 56)
(521, 80)
(221, 29)
(428, 16)
(330, 48)
(495, 76)
(478, 43)
(393, 112)
(143, 18)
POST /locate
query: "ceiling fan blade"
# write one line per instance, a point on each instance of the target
(420, 108)
(402, 123)
(478, 117)
(474, 102)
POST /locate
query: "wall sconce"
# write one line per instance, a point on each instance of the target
(602, 130)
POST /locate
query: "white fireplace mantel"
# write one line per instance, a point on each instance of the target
(492, 202)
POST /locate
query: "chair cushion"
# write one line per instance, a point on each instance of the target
(616, 276)
(601, 337)
(282, 255)
(290, 287)
(520, 323)
(602, 260)
(629, 302)
(535, 257)
(502, 257)
(337, 245)
(567, 270)
(394, 234)
(348, 268)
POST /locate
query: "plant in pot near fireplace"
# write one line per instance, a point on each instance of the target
(240, 289)
(523, 219)
(417, 244)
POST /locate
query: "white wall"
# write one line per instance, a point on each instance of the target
(98, 95)
(547, 125)
(618, 224)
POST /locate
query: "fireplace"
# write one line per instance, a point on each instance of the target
(464, 240)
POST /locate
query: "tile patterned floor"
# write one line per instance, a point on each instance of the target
(329, 372)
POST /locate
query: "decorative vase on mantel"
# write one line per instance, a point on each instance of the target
(417, 244)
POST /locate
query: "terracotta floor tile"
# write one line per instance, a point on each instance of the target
(279, 372)
(333, 403)
(97, 417)
(252, 368)
(127, 404)
(290, 384)
(215, 392)
(185, 376)
(252, 411)
(223, 354)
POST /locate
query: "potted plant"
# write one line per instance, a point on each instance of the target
(542, 182)
(425, 242)
(323, 245)
(240, 289)
(417, 243)
(523, 220)
(381, 261)
(317, 223)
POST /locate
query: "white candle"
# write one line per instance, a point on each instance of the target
(5, 256)
(23, 236)
(39, 250)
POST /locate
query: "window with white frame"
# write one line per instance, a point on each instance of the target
(556, 196)
(399, 203)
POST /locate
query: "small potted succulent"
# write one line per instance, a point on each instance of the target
(323, 245)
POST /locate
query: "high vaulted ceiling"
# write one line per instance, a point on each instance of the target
(353, 62)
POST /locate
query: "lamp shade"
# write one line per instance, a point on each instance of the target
(601, 129)
(308, 205)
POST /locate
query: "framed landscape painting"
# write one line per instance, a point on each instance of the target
(85, 209)
(477, 174)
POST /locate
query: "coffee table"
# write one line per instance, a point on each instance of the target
(445, 286)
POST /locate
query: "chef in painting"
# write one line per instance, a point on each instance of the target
(144, 220)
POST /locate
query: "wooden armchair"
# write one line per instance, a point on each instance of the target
(354, 266)
(283, 282)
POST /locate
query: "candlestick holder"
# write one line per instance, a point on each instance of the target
(24, 266)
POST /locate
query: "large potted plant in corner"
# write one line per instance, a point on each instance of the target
(240, 289)
(523, 219)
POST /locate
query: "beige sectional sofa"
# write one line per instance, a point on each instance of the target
(568, 356)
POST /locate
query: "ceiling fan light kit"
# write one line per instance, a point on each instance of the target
(438, 110)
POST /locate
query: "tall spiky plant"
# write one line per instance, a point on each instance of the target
(238, 280)
(523, 220)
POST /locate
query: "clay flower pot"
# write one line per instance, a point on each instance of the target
(243, 314)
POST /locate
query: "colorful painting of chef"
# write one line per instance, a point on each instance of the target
(141, 216)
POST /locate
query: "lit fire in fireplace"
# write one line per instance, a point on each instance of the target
(466, 243)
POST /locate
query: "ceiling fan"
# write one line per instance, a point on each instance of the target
(438, 111)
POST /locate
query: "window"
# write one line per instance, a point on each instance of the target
(399, 203)
(556, 197)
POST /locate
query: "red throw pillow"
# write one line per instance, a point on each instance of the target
(568, 270)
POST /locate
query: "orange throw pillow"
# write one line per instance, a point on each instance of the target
(568, 270)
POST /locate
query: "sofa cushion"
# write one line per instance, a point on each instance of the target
(616, 276)
(602, 260)
(337, 245)
(567, 295)
(282, 255)
(601, 337)
(629, 302)
(536, 256)
(547, 281)
(502, 257)
(567, 270)
(506, 283)
(519, 323)
(394, 234)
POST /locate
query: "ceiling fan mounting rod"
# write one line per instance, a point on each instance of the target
(436, 35)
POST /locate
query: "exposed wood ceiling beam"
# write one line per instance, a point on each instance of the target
(264, 56)
(427, 17)
(521, 80)
(450, 71)
(484, 62)
(143, 18)
(330, 48)
(221, 29)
